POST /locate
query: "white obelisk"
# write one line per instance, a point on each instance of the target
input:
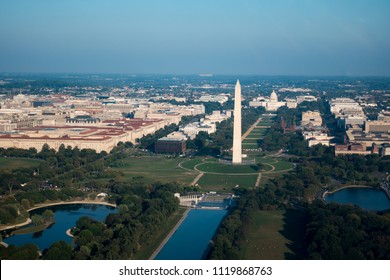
(237, 152)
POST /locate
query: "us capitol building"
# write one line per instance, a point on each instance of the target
(272, 103)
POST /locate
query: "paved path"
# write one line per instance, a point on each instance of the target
(193, 183)
(258, 181)
(28, 221)
(155, 253)
(250, 129)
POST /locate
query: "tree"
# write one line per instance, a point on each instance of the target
(25, 252)
(25, 203)
(37, 220)
(58, 251)
(48, 216)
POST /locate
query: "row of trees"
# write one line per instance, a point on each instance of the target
(58, 177)
(346, 232)
(233, 229)
(53, 164)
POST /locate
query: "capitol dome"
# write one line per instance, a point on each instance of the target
(273, 97)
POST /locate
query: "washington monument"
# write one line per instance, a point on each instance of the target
(237, 156)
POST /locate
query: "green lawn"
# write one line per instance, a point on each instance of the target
(212, 182)
(282, 165)
(15, 163)
(250, 141)
(265, 160)
(259, 129)
(225, 168)
(274, 235)
(249, 146)
(190, 164)
(257, 133)
(156, 169)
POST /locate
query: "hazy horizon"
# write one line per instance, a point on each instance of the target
(265, 38)
(204, 75)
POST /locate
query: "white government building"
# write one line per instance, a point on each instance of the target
(273, 104)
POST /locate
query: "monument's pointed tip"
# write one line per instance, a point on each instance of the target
(238, 82)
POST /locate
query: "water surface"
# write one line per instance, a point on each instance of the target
(367, 198)
(192, 238)
(65, 217)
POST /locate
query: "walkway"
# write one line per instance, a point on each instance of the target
(258, 181)
(155, 253)
(193, 183)
(28, 221)
(250, 129)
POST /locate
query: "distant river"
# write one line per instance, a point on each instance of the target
(193, 237)
(66, 217)
(367, 198)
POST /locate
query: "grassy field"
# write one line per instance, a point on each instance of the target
(282, 165)
(225, 168)
(156, 169)
(249, 146)
(164, 169)
(15, 163)
(265, 160)
(190, 164)
(250, 140)
(274, 235)
(212, 182)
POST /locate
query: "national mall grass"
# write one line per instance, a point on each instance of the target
(274, 235)
(156, 169)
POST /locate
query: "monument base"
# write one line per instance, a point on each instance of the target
(244, 162)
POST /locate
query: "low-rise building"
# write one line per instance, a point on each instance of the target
(170, 145)
(312, 118)
(316, 137)
(377, 126)
(213, 98)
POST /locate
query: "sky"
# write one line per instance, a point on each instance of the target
(235, 37)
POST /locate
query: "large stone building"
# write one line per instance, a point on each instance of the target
(377, 126)
(317, 137)
(306, 98)
(347, 112)
(273, 104)
(221, 98)
(312, 118)
(101, 137)
(170, 145)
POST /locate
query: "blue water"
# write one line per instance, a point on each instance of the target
(66, 217)
(192, 238)
(367, 198)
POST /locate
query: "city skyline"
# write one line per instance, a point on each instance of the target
(322, 38)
